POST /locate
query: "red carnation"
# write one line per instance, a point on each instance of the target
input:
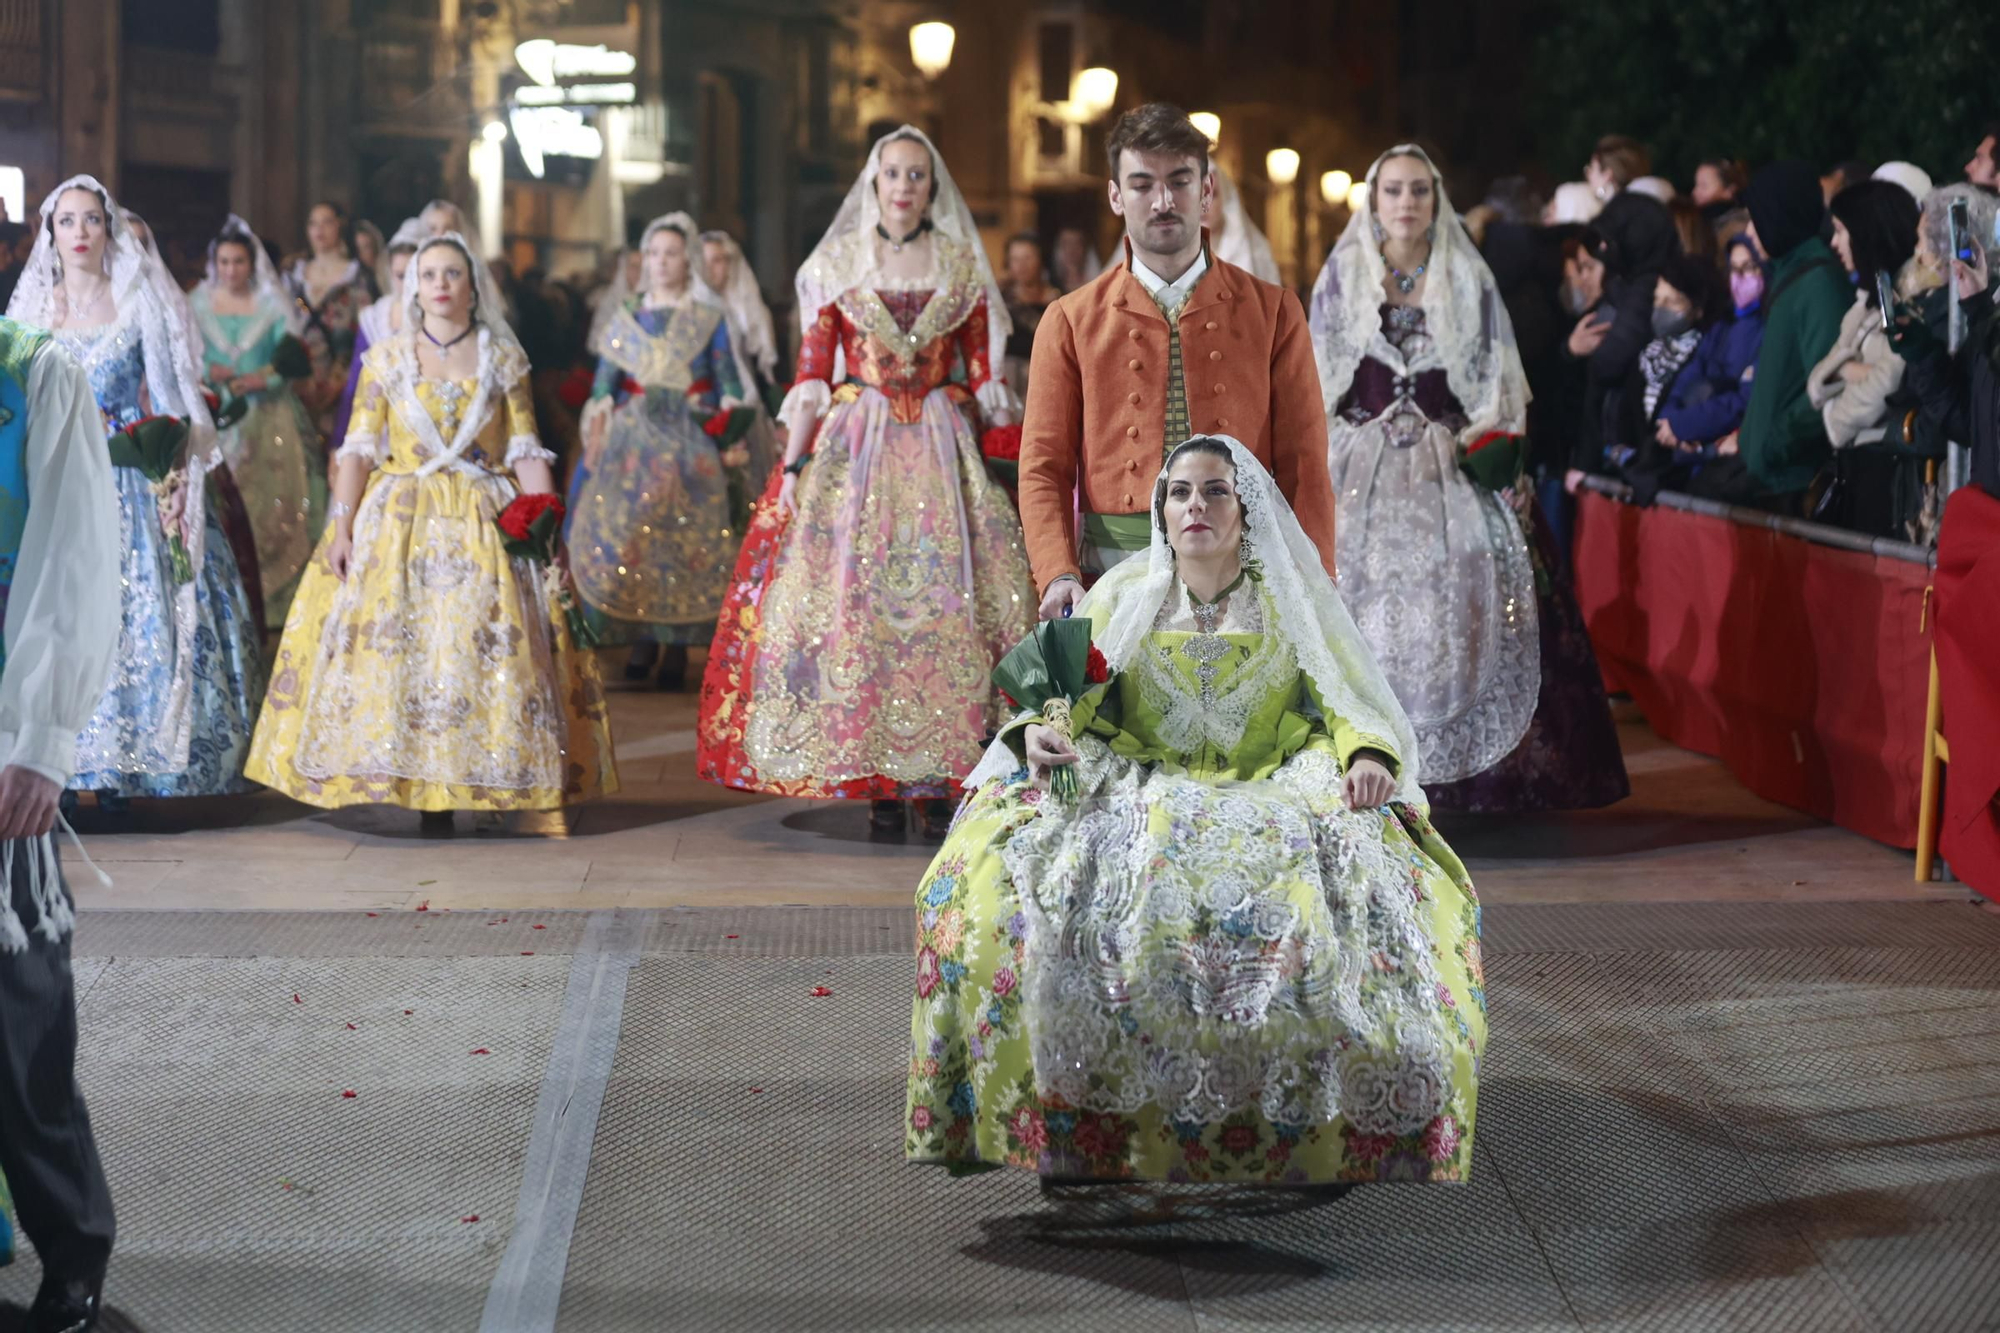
(700, 387)
(1002, 442)
(716, 426)
(575, 389)
(517, 520)
(1095, 669)
(632, 387)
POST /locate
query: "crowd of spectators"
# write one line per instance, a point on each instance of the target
(1729, 341)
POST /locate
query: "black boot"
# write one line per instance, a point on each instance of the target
(67, 1305)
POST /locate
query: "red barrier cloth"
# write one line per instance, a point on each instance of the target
(1967, 604)
(1802, 667)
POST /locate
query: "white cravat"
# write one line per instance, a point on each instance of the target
(1168, 295)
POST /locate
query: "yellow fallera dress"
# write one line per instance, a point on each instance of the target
(440, 674)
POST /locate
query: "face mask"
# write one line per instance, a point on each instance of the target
(1746, 289)
(1573, 300)
(1671, 323)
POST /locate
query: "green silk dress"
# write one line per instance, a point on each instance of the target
(1205, 968)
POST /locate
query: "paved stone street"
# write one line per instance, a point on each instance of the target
(1744, 1074)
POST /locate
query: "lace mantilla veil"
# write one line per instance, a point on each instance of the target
(273, 301)
(1463, 313)
(501, 364)
(173, 368)
(698, 290)
(1241, 243)
(1307, 612)
(749, 318)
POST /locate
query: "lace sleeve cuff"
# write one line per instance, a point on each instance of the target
(358, 446)
(997, 400)
(809, 397)
(600, 409)
(523, 448)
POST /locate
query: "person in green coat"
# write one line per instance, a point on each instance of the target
(1782, 445)
(1239, 952)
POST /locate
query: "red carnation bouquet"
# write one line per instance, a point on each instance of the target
(726, 426)
(1495, 459)
(1051, 669)
(531, 529)
(1002, 447)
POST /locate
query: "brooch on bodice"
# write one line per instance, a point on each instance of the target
(1206, 648)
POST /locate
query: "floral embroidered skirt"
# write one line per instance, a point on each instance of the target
(651, 538)
(282, 479)
(203, 663)
(439, 675)
(854, 653)
(1183, 979)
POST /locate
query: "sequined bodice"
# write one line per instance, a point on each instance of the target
(1406, 396)
(114, 357)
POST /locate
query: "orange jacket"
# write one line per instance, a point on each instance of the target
(1097, 402)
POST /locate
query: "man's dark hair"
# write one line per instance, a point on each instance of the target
(1157, 127)
(1624, 157)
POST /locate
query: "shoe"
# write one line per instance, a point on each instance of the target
(639, 665)
(66, 1305)
(673, 670)
(887, 819)
(435, 824)
(935, 815)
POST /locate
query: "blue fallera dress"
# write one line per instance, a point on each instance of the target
(176, 717)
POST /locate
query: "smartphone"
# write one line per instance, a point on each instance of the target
(1885, 298)
(1960, 222)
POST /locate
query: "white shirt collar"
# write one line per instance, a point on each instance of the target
(1167, 294)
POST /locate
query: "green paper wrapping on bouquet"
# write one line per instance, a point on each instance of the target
(1049, 671)
(291, 360)
(1495, 460)
(726, 428)
(228, 408)
(154, 445)
(531, 529)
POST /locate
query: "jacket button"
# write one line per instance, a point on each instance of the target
(1133, 363)
(1211, 326)
(1135, 400)
(1131, 432)
(1215, 356)
(1222, 423)
(1131, 465)
(1136, 335)
(1128, 500)
(1218, 390)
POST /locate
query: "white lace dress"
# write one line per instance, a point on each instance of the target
(1207, 967)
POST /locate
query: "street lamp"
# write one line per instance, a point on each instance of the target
(495, 132)
(1333, 187)
(1094, 91)
(930, 47)
(1357, 197)
(1208, 123)
(1281, 165)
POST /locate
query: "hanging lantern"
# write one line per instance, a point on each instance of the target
(930, 47)
(1208, 123)
(1334, 186)
(1281, 165)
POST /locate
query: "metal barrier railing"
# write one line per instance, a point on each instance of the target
(1805, 530)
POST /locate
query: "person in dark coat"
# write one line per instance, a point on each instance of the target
(1633, 238)
(1772, 460)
